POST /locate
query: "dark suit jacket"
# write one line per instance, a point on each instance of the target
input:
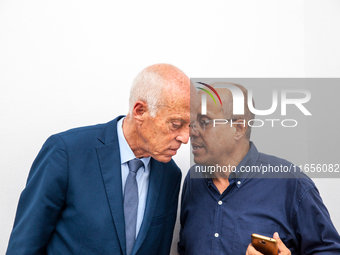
(73, 200)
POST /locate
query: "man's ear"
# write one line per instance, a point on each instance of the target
(241, 127)
(139, 109)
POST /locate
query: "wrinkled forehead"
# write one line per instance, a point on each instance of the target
(177, 95)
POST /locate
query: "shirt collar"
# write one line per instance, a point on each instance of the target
(249, 160)
(126, 154)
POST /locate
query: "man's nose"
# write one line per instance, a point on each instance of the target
(183, 137)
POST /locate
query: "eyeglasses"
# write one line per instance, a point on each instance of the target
(203, 124)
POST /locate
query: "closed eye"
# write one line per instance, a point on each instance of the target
(176, 125)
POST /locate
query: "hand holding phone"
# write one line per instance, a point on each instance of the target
(268, 246)
(265, 245)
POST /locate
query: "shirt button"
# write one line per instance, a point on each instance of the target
(239, 183)
(216, 235)
(220, 202)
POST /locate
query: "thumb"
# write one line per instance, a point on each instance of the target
(282, 247)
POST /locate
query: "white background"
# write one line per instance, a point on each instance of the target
(65, 64)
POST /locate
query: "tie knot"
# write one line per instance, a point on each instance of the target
(135, 164)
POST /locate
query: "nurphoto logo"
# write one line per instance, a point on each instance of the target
(238, 104)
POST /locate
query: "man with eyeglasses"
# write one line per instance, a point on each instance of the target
(220, 209)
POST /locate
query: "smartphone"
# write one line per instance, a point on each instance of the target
(264, 244)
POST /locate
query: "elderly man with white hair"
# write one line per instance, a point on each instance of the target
(110, 188)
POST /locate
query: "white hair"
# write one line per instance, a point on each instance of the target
(148, 87)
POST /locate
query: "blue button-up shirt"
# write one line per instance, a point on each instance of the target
(214, 223)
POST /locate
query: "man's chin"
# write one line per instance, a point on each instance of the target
(163, 158)
(199, 160)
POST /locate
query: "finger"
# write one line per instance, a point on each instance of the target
(247, 251)
(283, 250)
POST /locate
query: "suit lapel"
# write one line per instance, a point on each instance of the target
(156, 174)
(110, 166)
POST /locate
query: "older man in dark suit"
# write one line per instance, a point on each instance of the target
(110, 188)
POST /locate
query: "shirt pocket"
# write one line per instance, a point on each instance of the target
(244, 229)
